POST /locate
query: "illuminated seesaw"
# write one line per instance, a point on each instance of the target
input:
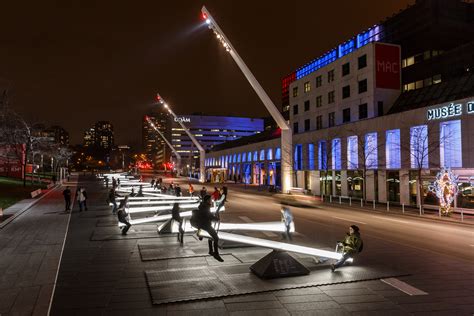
(276, 227)
(161, 197)
(163, 218)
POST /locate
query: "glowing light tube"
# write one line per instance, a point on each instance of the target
(163, 197)
(277, 227)
(274, 245)
(144, 209)
(159, 202)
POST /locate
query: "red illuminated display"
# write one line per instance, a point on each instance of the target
(387, 66)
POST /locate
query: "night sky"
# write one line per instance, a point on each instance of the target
(75, 62)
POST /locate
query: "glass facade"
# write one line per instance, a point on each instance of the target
(450, 144)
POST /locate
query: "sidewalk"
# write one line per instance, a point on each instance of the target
(30, 250)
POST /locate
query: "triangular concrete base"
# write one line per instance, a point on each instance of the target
(225, 244)
(278, 264)
(165, 228)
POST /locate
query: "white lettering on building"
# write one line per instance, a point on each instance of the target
(182, 119)
(386, 66)
(445, 111)
(470, 107)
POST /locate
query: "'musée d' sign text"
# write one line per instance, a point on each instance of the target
(449, 111)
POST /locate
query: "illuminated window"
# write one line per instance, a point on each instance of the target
(352, 153)
(255, 156)
(450, 144)
(249, 156)
(298, 157)
(336, 154)
(307, 86)
(262, 155)
(269, 154)
(278, 153)
(295, 92)
(392, 149)
(311, 156)
(419, 146)
(331, 97)
(322, 155)
(319, 81)
(370, 150)
(239, 158)
(436, 79)
(331, 75)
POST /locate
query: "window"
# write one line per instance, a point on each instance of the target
(331, 75)
(311, 156)
(319, 122)
(306, 105)
(306, 125)
(249, 156)
(370, 150)
(295, 128)
(346, 115)
(295, 109)
(269, 154)
(239, 158)
(362, 62)
(392, 149)
(319, 81)
(295, 92)
(298, 157)
(450, 147)
(352, 153)
(322, 155)
(332, 119)
(362, 111)
(244, 156)
(346, 69)
(363, 86)
(255, 156)
(319, 101)
(419, 147)
(346, 91)
(410, 61)
(262, 155)
(331, 97)
(436, 79)
(278, 153)
(336, 154)
(380, 108)
(307, 86)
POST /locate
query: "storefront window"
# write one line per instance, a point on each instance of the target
(311, 156)
(392, 149)
(371, 151)
(465, 198)
(419, 147)
(393, 186)
(336, 154)
(450, 144)
(352, 152)
(269, 154)
(355, 183)
(326, 182)
(322, 155)
(278, 154)
(298, 157)
(337, 180)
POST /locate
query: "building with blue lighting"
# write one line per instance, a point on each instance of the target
(376, 117)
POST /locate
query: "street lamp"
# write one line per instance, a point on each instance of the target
(286, 134)
(202, 153)
(178, 156)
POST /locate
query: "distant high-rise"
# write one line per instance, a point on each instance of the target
(155, 148)
(101, 135)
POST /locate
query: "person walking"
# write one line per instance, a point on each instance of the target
(140, 191)
(177, 218)
(107, 182)
(203, 192)
(287, 219)
(191, 189)
(177, 190)
(80, 198)
(114, 183)
(202, 218)
(67, 198)
(113, 200)
(351, 245)
(84, 193)
(216, 194)
(122, 215)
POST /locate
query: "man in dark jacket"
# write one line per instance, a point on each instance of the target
(202, 219)
(67, 199)
(177, 218)
(352, 245)
(122, 215)
(113, 200)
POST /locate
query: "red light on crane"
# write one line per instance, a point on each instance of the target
(204, 16)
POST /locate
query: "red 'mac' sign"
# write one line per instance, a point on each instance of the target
(387, 66)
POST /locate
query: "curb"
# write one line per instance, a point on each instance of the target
(26, 208)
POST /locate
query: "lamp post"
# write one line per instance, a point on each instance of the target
(178, 156)
(286, 133)
(202, 153)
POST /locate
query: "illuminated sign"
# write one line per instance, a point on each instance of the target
(387, 70)
(450, 110)
(182, 119)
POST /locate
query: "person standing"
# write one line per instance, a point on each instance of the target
(122, 215)
(202, 218)
(140, 191)
(80, 199)
(216, 194)
(114, 183)
(177, 190)
(287, 219)
(177, 218)
(113, 200)
(203, 192)
(191, 189)
(84, 193)
(67, 199)
(107, 182)
(351, 245)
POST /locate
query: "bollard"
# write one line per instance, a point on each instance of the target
(462, 215)
(1, 212)
(373, 204)
(330, 199)
(388, 206)
(420, 209)
(350, 201)
(361, 203)
(340, 201)
(403, 208)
